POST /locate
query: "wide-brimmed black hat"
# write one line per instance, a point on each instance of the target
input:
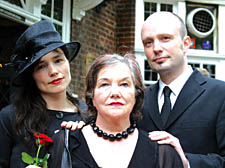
(38, 40)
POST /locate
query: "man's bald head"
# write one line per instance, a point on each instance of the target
(164, 16)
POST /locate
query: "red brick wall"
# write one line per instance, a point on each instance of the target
(99, 33)
(125, 24)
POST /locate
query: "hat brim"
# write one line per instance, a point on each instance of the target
(70, 50)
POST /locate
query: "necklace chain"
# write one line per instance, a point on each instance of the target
(113, 137)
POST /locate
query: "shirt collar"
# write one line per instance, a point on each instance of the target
(177, 84)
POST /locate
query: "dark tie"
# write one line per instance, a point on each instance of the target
(166, 108)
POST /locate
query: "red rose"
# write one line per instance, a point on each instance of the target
(43, 139)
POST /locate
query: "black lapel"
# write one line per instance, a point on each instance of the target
(189, 93)
(152, 107)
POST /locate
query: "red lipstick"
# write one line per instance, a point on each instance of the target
(116, 104)
(57, 81)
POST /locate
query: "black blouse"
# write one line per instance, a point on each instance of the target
(11, 146)
(147, 153)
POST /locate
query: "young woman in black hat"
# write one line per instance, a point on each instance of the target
(41, 100)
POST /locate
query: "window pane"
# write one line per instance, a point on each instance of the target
(147, 6)
(46, 9)
(194, 65)
(211, 69)
(54, 14)
(58, 28)
(58, 9)
(16, 2)
(150, 8)
(166, 7)
(149, 75)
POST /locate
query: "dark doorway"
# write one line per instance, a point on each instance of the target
(9, 33)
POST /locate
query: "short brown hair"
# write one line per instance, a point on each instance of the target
(91, 80)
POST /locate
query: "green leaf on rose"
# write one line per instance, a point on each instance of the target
(45, 163)
(27, 158)
(47, 155)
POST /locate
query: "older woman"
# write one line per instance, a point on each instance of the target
(114, 96)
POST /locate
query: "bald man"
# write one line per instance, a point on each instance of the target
(196, 122)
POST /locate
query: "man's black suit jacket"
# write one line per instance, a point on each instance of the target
(197, 119)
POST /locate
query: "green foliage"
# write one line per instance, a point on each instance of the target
(32, 160)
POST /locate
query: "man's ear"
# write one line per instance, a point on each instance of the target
(186, 43)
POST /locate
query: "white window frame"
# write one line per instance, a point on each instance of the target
(66, 19)
(216, 58)
(202, 63)
(30, 12)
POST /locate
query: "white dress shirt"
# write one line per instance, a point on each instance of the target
(175, 87)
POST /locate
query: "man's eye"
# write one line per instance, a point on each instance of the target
(148, 43)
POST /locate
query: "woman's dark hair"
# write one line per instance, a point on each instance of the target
(91, 81)
(30, 107)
